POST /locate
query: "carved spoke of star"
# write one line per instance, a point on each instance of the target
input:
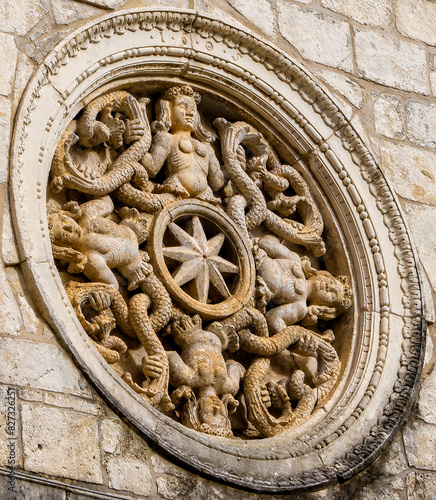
(200, 260)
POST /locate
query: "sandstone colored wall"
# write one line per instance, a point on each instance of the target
(378, 60)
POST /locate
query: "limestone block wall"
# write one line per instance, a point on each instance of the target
(377, 59)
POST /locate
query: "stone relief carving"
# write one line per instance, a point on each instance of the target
(186, 239)
(380, 341)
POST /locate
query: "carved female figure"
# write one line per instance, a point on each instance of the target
(183, 144)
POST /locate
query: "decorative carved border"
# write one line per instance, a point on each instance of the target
(337, 152)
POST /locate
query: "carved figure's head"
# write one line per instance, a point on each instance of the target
(183, 328)
(329, 297)
(177, 110)
(65, 233)
(64, 230)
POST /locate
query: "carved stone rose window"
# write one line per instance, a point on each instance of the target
(215, 244)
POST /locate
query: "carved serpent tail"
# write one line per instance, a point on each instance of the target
(158, 387)
(231, 135)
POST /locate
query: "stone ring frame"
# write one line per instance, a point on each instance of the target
(384, 345)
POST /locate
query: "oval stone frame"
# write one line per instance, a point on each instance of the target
(380, 379)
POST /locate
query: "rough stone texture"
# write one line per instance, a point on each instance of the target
(39, 366)
(69, 12)
(263, 15)
(42, 46)
(170, 487)
(208, 8)
(433, 72)
(110, 433)
(26, 490)
(349, 89)
(421, 486)
(5, 124)
(128, 474)
(20, 17)
(419, 441)
(421, 123)
(180, 4)
(72, 402)
(422, 223)
(378, 491)
(318, 37)
(9, 248)
(393, 461)
(10, 321)
(416, 19)
(30, 321)
(426, 406)
(8, 56)
(411, 170)
(389, 116)
(391, 61)
(372, 12)
(61, 443)
(107, 4)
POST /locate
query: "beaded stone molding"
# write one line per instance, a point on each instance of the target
(212, 240)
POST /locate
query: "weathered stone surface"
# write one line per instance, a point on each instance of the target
(69, 12)
(20, 17)
(5, 124)
(42, 46)
(422, 223)
(39, 366)
(391, 61)
(389, 116)
(433, 72)
(378, 491)
(426, 401)
(27, 490)
(10, 321)
(428, 350)
(208, 8)
(31, 395)
(8, 56)
(263, 16)
(416, 19)
(421, 486)
(349, 89)
(180, 4)
(71, 402)
(421, 123)
(107, 4)
(419, 441)
(412, 171)
(110, 432)
(372, 12)
(170, 487)
(393, 461)
(128, 474)
(316, 36)
(9, 242)
(30, 322)
(61, 443)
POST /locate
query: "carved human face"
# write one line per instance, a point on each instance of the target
(65, 232)
(184, 113)
(325, 290)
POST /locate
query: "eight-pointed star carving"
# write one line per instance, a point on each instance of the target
(200, 260)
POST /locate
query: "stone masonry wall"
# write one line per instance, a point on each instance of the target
(378, 60)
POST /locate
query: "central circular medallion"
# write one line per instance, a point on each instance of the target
(204, 263)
